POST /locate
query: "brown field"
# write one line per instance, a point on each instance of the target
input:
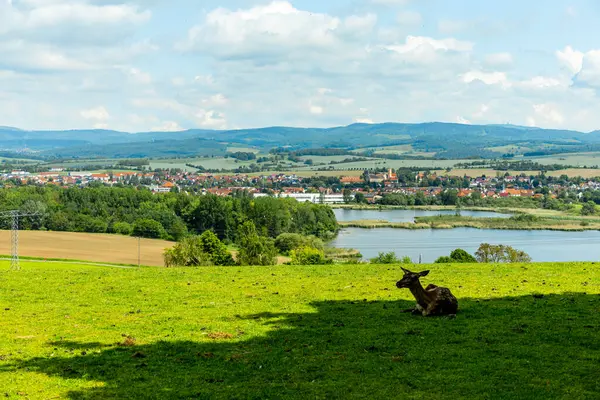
(86, 246)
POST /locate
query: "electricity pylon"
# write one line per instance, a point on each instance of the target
(14, 215)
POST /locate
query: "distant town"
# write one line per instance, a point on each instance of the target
(369, 188)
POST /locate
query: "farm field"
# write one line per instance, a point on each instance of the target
(576, 159)
(99, 248)
(327, 159)
(571, 172)
(336, 332)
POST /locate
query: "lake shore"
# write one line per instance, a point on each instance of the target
(523, 222)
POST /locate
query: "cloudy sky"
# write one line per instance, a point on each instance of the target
(138, 65)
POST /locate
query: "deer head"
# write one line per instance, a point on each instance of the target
(410, 279)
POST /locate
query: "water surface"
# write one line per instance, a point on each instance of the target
(433, 243)
(345, 215)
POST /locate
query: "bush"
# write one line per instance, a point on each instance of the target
(588, 208)
(390, 258)
(149, 228)
(286, 242)
(529, 218)
(122, 228)
(461, 256)
(187, 253)
(456, 257)
(309, 256)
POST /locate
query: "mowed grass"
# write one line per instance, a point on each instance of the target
(523, 332)
(100, 248)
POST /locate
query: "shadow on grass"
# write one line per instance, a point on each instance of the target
(509, 348)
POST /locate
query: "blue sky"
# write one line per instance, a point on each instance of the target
(144, 65)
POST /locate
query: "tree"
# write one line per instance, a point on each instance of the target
(347, 194)
(215, 249)
(187, 253)
(122, 228)
(588, 208)
(488, 253)
(255, 249)
(360, 198)
(149, 228)
(390, 258)
(449, 197)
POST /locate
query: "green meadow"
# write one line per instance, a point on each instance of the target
(523, 331)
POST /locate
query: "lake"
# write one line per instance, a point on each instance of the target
(433, 243)
(345, 215)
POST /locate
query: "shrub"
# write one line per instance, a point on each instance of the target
(287, 242)
(149, 228)
(457, 256)
(529, 218)
(309, 256)
(588, 208)
(390, 258)
(187, 253)
(122, 228)
(461, 256)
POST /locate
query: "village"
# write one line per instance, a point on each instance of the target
(329, 190)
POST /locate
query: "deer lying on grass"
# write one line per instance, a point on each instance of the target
(432, 300)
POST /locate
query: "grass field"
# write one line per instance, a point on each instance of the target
(87, 246)
(523, 332)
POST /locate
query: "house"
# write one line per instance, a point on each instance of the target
(351, 180)
(101, 177)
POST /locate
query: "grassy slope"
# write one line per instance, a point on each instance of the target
(298, 332)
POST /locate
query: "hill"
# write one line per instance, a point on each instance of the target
(445, 140)
(336, 332)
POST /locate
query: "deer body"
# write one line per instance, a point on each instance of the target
(433, 300)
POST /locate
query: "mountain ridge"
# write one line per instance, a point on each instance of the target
(447, 140)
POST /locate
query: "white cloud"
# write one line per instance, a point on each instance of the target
(489, 78)
(98, 113)
(139, 77)
(589, 74)
(570, 59)
(541, 82)
(462, 120)
(98, 116)
(421, 44)
(269, 31)
(167, 126)
(317, 110)
(547, 115)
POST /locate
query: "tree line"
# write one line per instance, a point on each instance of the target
(171, 216)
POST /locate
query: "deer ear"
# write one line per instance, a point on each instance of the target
(405, 270)
(424, 273)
